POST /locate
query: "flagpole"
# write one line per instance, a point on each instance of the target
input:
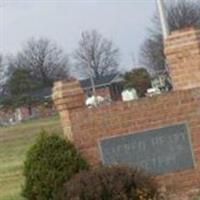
(163, 19)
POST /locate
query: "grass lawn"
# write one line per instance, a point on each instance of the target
(14, 142)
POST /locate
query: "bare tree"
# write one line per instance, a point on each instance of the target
(96, 54)
(1, 63)
(44, 59)
(180, 14)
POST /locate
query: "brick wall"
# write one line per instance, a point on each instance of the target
(88, 126)
(85, 127)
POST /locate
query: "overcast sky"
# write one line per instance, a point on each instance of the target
(123, 21)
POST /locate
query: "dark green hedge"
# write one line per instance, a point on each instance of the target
(50, 162)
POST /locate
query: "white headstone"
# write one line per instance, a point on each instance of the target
(129, 95)
(93, 101)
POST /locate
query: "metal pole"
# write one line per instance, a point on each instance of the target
(163, 19)
(91, 80)
(92, 83)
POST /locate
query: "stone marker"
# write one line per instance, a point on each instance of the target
(158, 151)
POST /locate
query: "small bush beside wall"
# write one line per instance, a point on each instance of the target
(50, 162)
(111, 183)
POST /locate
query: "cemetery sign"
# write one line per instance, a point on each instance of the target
(159, 151)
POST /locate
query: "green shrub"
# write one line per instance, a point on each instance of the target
(50, 162)
(111, 183)
(139, 79)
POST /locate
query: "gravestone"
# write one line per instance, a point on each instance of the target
(158, 151)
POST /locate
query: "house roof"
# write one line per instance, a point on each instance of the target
(102, 81)
(45, 93)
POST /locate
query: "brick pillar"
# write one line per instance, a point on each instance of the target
(182, 50)
(67, 96)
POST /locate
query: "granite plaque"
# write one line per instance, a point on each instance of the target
(158, 151)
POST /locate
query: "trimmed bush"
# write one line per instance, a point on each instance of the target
(50, 162)
(111, 183)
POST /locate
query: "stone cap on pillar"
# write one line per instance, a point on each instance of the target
(68, 95)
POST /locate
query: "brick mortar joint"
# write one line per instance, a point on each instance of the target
(175, 48)
(184, 32)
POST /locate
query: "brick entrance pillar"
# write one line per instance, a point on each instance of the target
(67, 96)
(182, 50)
